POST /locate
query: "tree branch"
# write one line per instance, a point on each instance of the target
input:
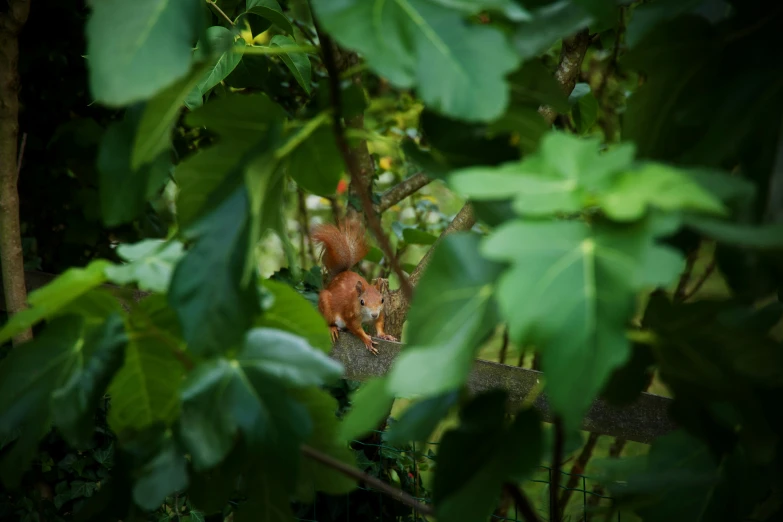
(557, 459)
(685, 277)
(524, 507)
(220, 11)
(11, 258)
(358, 176)
(571, 56)
(350, 471)
(700, 282)
(402, 190)
(579, 467)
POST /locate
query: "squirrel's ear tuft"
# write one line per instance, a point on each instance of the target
(359, 287)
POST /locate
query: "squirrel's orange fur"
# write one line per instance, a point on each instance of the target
(348, 300)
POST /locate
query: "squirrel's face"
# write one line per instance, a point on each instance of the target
(370, 302)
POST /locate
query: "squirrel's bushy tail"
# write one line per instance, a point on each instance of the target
(343, 247)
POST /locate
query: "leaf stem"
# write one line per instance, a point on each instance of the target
(557, 458)
(220, 11)
(350, 471)
(524, 507)
(301, 135)
(276, 50)
(700, 282)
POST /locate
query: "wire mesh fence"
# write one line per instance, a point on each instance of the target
(582, 498)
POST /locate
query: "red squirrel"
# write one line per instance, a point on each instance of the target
(348, 300)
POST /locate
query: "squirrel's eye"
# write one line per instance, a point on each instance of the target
(381, 300)
(362, 302)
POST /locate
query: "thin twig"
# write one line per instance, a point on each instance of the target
(305, 32)
(402, 190)
(220, 11)
(685, 277)
(350, 161)
(700, 282)
(350, 471)
(21, 155)
(557, 459)
(615, 54)
(504, 347)
(524, 507)
(578, 468)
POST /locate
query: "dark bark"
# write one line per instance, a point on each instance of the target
(11, 23)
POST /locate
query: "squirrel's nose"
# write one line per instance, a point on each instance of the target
(375, 315)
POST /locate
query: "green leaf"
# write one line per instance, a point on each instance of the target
(451, 313)
(145, 390)
(549, 23)
(420, 419)
(762, 237)
(265, 185)
(414, 236)
(153, 136)
(212, 489)
(584, 107)
(228, 53)
(647, 16)
(214, 308)
(238, 117)
(480, 455)
(631, 379)
(123, 190)
(28, 376)
(200, 174)
(74, 403)
(675, 85)
(47, 301)
(222, 398)
(658, 186)
(570, 292)
(422, 44)
(454, 143)
(298, 63)
(137, 49)
(563, 177)
(269, 10)
(293, 313)
(162, 475)
(315, 476)
(371, 405)
(150, 264)
(94, 306)
(287, 358)
(532, 85)
(604, 12)
(269, 500)
(677, 481)
(509, 8)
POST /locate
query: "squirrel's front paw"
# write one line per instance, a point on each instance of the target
(334, 331)
(369, 345)
(387, 337)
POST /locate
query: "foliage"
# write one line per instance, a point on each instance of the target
(191, 131)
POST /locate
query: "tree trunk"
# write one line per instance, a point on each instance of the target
(11, 23)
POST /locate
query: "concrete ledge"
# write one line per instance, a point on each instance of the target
(642, 421)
